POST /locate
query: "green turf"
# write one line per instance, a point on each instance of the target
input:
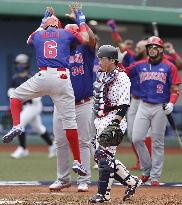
(38, 167)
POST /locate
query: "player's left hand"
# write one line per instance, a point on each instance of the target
(112, 24)
(168, 108)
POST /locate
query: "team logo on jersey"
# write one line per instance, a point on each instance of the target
(161, 69)
(77, 58)
(153, 76)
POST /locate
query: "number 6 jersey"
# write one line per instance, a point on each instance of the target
(53, 46)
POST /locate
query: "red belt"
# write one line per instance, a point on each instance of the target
(82, 101)
(58, 69)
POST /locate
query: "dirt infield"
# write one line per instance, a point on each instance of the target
(31, 195)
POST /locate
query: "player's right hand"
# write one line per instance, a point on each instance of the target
(76, 13)
(48, 13)
(168, 108)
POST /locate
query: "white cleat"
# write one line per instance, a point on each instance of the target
(79, 168)
(19, 153)
(58, 185)
(52, 151)
(83, 187)
(15, 131)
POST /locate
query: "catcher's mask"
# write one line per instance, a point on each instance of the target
(108, 51)
(52, 21)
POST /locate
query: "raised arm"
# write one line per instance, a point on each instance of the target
(77, 15)
(48, 12)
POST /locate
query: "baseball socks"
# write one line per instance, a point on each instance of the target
(72, 137)
(16, 108)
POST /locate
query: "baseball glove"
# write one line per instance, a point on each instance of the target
(111, 136)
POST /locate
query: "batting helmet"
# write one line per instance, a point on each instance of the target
(154, 40)
(72, 27)
(52, 21)
(108, 51)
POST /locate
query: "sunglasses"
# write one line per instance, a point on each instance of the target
(152, 46)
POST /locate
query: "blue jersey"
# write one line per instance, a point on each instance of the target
(81, 69)
(127, 61)
(154, 80)
(129, 58)
(53, 46)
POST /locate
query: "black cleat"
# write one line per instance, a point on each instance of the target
(99, 198)
(130, 191)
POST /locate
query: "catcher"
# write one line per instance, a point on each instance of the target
(111, 101)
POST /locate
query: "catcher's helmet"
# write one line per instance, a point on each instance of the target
(154, 40)
(52, 21)
(108, 51)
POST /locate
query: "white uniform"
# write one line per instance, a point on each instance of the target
(112, 90)
(31, 115)
(119, 93)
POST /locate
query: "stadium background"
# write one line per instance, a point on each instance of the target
(18, 18)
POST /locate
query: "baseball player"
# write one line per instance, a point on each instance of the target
(31, 111)
(172, 55)
(159, 82)
(52, 45)
(111, 101)
(81, 70)
(131, 57)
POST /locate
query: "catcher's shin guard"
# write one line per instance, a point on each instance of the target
(123, 173)
(106, 176)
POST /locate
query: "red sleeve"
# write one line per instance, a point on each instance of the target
(76, 34)
(175, 75)
(129, 68)
(175, 56)
(121, 67)
(116, 37)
